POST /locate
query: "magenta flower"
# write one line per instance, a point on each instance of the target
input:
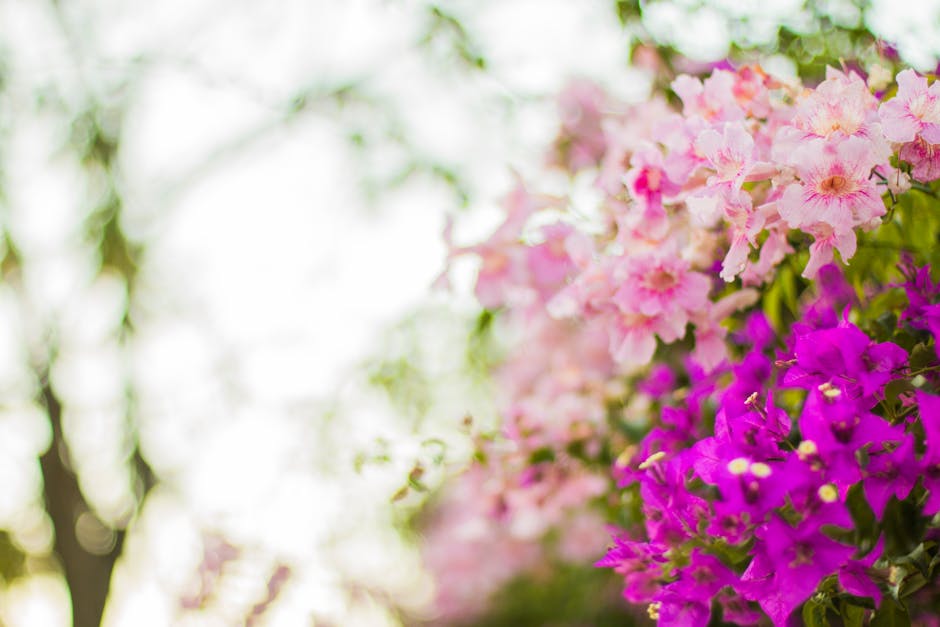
(838, 427)
(640, 563)
(929, 406)
(789, 563)
(890, 473)
(687, 600)
(846, 358)
(855, 575)
(749, 489)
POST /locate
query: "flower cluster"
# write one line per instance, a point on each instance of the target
(770, 496)
(772, 418)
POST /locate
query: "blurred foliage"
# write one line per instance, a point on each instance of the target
(12, 559)
(446, 31)
(563, 595)
(813, 37)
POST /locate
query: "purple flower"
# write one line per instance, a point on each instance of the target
(687, 600)
(789, 563)
(890, 473)
(854, 576)
(838, 427)
(660, 381)
(930, 463)
(749, 489)
(846, 358)
(641, 565)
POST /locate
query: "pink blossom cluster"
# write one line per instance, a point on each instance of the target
(638, 343)
(494, 518)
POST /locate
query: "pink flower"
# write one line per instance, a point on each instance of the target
(648, 184)
(746, 224)
(914, 111)
(835, 186)
(633, 335)
(841, 106)
(827, 239)
(730, 153)
(581, 142)
(678, 135)
(661, 286)
(656, 297)
(549, 263)
(924, 157)
(713, 100)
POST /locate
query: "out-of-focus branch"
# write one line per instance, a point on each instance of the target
(87, 574)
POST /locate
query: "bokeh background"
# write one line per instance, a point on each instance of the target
(226, 387)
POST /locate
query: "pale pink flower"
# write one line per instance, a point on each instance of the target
(710, 348)
(589, 292)
(828, 239)
(745, 225)
(661, 286)
(835, 186)
(656, 296)
(924, 157)
(633, 335)
(502, 274)
(914, 111)
(751, 90)
(581, 142)
(626, 134)
(548, 263)
(774, 250)
(714, 100)
(841, 106)
(678, 135)
(648, 185)
(730, 154)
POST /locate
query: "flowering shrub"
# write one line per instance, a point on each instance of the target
(732, 356)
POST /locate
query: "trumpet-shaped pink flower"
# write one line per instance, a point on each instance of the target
(826, 240)
(730, 153)
(914, 111)
(840, 107)
(662, 286)
(712, 100)
(835, 186)
(648, 185)
(924, 157)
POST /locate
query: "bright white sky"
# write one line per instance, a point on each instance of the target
(268, 276)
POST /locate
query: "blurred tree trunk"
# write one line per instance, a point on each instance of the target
(88, 574)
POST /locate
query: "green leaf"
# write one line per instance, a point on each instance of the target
(866, 525)
(814, 613)
(922, 357)
(544, 454)
(852, 615)
(890, 614)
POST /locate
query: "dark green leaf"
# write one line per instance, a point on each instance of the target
(890, 614)
(866, 525)
(852, 615)
(814, 614)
